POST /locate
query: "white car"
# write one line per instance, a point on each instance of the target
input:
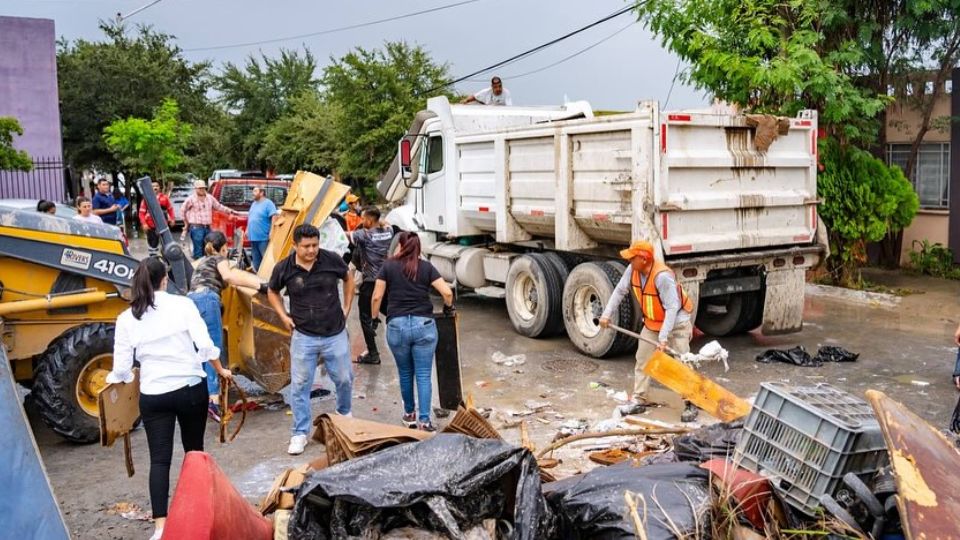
(177, 196)
(63, 210)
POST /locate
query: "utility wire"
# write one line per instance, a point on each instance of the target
(534, 50)
(332, 30)
(569, 57)
(676, 72)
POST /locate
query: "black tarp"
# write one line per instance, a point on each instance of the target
(706, 443)
(592, 505)
(447, 483)
(28, 509)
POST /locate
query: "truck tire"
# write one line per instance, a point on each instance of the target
(636, 321)
(752, 315)
(534, 291)
(62, 396)
(587, 291)
(721, 315)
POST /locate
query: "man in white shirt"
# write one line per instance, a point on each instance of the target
(495, 95)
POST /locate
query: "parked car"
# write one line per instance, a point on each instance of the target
(63, 210)
(237, 194)
(177, 196)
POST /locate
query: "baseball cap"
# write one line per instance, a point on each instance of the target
(199, 184)
(351, 198)
(636, 248)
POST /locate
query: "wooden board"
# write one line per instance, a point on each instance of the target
(694, 387)
(449, 382)
(119, 405)
(926, 466)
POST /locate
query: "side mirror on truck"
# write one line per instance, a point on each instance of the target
(406, 156)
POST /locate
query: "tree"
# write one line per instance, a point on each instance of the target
(127, 75)
(376, 94)
(151, 146)
(303, 138)
(12, 159)
(259, 93)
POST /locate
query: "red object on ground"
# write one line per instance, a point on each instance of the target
(750, 490)
(206, 506)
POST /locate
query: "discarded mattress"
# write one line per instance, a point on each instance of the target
(449, 483)
(592, 505)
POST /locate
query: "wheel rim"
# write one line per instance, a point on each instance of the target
(587, 308)
(92, 379)
(525, 297)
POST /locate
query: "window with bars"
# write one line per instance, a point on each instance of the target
(932, 178)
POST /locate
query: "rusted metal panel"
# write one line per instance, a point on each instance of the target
(927, 470)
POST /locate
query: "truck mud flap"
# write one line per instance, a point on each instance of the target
(783, 303)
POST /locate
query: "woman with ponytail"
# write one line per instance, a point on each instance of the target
(411, 329)
(211, 274)
(165, 334)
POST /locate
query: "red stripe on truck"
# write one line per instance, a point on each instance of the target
(484, 209)
(682, 248)
(536, 212)
(663, 138)
(803, 123)
(601, 217)
(678, 117)
(663, 226)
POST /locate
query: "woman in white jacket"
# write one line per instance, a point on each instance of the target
(166, 334)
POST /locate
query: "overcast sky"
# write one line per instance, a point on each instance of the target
(630, 65)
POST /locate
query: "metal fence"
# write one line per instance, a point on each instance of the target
(45, 181)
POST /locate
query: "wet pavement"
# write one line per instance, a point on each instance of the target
(906, 352)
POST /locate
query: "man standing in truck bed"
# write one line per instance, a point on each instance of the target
(666, 317)
(372, 243)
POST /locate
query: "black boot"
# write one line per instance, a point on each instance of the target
(690, 412)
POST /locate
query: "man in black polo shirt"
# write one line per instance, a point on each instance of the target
(317, 322)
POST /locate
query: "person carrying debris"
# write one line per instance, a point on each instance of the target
(167, 336)
(146, 220)
(411, 329)
(317, 322)
(211, 274)
(666, 312)
(371, 241)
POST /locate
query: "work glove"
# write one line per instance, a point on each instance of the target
(263, 287)
(450, 311)
(375, 323)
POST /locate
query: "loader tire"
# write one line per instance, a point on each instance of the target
(534, 291)
(57, 383)
(587, 291)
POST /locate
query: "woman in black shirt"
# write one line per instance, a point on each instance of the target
(411, 330)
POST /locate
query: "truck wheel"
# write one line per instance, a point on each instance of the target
(752, 315)
(534, 290)
(587, 291)
(636, 319)
(721, 315)
(68, 379)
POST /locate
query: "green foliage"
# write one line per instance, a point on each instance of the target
(933, 260)
(12, 159)
(304, 138)
(151, 146)
(210, 146)
(771, 56)
(376, 94)
(259, 93)
(863, 199)
(128, 75)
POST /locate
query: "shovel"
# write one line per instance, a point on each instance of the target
(635, 335)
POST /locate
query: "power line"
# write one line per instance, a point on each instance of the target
(534, 50)
(569, 57)
(676, 72)
(332, 30)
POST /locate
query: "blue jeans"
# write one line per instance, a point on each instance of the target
(413, 342)
(208, 304)
(305, 351)
(197, 234)
(257, 249)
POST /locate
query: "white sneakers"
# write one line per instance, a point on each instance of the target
(157, 533)
(297, 444)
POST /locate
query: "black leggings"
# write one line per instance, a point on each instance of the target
(186, 406)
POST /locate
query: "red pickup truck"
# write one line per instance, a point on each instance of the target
(237, 194)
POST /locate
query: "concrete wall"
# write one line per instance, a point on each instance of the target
(28, 92)
(930, 225)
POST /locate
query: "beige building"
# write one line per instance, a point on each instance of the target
(936, 177)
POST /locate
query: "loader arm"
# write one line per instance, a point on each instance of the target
(180, 268)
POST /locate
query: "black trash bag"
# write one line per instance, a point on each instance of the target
(797, 356)
(831, 353)
(592, 505)
(447, 483)
(706, 443)
(955, 420)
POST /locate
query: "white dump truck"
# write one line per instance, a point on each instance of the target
(532, 205)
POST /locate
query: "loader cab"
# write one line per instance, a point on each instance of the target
(423, 169)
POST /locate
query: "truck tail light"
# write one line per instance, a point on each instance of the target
(779, 263)
(798, 260)
(689, 272)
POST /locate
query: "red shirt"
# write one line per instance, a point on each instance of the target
(146, 219)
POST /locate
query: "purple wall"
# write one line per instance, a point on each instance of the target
(28, 92)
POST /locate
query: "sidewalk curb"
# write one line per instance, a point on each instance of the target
(873, 299)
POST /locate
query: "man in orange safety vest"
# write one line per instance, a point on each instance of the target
(666, 312)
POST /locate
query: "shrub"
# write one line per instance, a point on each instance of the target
(933, 260)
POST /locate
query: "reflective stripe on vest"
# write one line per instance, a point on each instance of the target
(649, 298)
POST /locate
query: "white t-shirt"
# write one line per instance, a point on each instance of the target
(92, 218)
(487, 97)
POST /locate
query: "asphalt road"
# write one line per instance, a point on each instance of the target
(905, 353)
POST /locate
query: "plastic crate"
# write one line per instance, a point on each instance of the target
(805, 438)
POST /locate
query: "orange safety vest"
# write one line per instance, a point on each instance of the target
(353, 220)
(649, 297)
